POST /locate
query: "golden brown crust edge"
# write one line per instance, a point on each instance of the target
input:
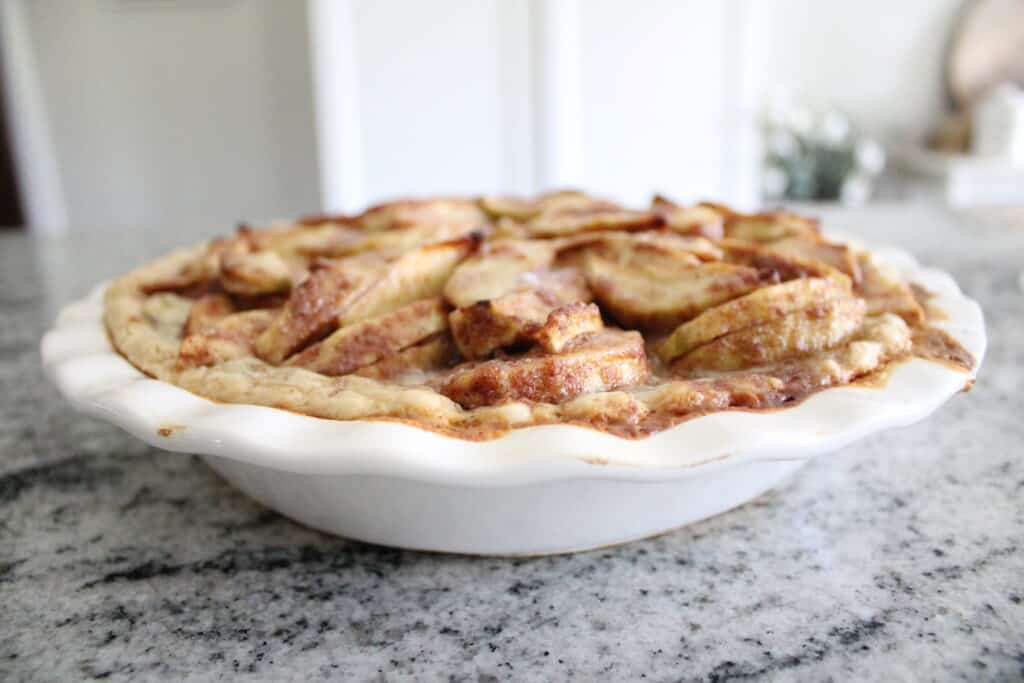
(141, 326)
(631, 414)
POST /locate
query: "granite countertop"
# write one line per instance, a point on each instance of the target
(898, 558)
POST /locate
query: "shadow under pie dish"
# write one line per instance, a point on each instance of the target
(501, 375)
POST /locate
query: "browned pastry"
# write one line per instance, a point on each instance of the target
(474, 317)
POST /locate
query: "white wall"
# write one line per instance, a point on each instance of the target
(431, 96)
(167, 112)
(880, 60)
(202, 110)
(667, 95)
(479, 96)
(657, 83)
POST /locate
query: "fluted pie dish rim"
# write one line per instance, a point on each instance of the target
(96, 379)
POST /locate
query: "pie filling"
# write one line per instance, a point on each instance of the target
(473, 317)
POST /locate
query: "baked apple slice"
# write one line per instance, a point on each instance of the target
(839, 256)
(768, 226)
(481, 328)
(760, 306)
(314, 307)
(778, 266)
(413, 364)
(294, 242)
(515, 208)
(206, 311)
(417, 274)
(702, 221)
(228, 337)
(640, 249)
(511, 319)
(188, 273)
(802, 332)
(452, 211)
(603, 361)
(568, 221)
(367, 341)
(496, 270)
(661, 295)
(884, 290)
(567, 323)
(519, 209)
(253, 273)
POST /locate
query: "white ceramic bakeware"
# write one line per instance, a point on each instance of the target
(545, 489)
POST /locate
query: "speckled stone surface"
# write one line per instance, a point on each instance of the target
(899, 558)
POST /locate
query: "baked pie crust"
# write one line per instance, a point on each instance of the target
(473, 317)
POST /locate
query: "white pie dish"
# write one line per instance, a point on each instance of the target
(544, 489)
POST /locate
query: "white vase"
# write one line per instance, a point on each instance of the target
(997, 125)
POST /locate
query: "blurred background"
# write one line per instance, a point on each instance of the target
(121, 113)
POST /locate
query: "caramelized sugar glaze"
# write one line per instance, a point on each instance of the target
(473, 317)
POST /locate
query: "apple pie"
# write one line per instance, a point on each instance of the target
(476, 316)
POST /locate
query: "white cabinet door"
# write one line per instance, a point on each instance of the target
(621, 98)
(170, 111)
